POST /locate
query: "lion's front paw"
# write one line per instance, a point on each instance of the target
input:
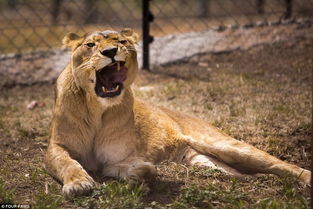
(141, 172)
(78, 185)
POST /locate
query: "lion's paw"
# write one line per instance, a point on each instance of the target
(141, 172)
(78, 186)
(305, 176)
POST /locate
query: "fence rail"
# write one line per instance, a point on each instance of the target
(29, 25)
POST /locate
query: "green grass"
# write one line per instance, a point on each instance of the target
(118, 195)
(290, 198)
(52, 200)
(6, 194)
(302, 128)
(115, 194)
(210, 196)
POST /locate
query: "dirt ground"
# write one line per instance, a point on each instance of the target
(262, 96)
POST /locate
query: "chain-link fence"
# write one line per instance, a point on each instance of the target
(181, 28)
(40, 24)
(197, 15)
(184, 28)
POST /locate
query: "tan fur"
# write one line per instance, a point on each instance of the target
(124, 137)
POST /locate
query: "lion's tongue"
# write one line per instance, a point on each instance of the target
(110, 77)
(119, 76)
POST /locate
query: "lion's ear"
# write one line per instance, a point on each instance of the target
(72, 41)
(130, 35)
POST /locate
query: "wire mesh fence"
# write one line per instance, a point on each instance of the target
(182, 28)
(186, 16)
(27, 25)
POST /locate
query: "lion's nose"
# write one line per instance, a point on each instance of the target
(109, 52)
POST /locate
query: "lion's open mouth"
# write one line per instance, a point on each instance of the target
(109, 80)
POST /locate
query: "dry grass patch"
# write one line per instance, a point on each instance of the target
(262, 96)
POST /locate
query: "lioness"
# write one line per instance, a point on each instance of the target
(98, 126)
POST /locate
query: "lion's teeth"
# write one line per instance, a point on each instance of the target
(103, 89)
(118, 66)
(116, 88)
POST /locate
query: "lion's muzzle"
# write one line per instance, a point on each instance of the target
(109, 80)
(109, 52)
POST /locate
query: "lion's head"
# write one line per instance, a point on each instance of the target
(103, 63)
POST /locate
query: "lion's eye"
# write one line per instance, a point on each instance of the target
(123, 41)
(90, 44)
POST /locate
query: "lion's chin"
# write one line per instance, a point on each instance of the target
(108, 102)
(109, 80)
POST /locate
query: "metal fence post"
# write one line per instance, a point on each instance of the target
(147, 17)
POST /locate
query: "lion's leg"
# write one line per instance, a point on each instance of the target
(75, 179)
(134, 170)
(193, 157)
(245, 157)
